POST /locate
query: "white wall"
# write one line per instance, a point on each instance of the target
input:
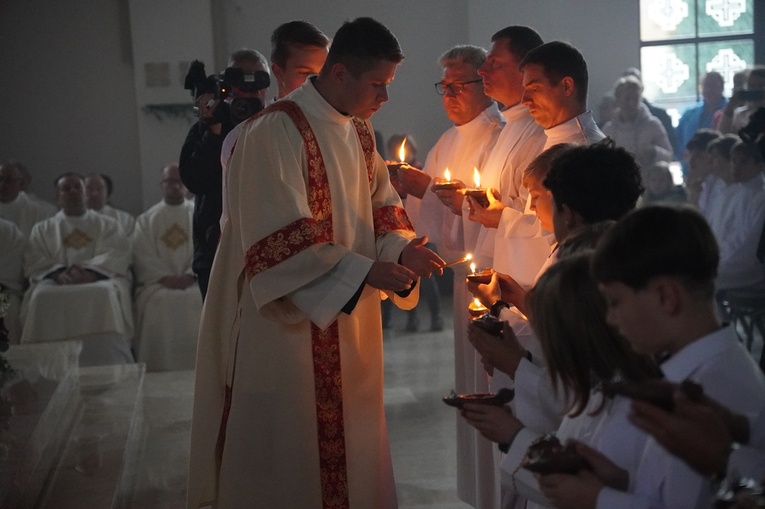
(69, 101)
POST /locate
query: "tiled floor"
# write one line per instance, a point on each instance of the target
(418, 373)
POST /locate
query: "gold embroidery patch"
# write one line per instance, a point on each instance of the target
(174, 237)
(77, 239)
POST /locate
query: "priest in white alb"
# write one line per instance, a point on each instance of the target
(97, 193)
(15, 205)
(167, 300)
(77, 264)
(288, 402)
(12, 282)
(443, 216)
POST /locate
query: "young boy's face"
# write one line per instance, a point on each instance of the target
(541, 201)
(628, 310)
(719, 165)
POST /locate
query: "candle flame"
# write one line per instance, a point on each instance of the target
(472, 267)
(468, 256)
(477, 303)
(447, 175)
(476, 177)
(402, 151)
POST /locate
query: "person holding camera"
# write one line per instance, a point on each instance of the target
(222, 102)
(744, 103)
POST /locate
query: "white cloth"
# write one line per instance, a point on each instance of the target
(167, 320)
(461, 149)
(97, 311)
(728, 375)
(12, 281)
(610, 432)
(738, 229)
(124, 219)
(520, 141)
(710, 197)
(256, 329)
(581, 130)
(24, 212)
(640, 135)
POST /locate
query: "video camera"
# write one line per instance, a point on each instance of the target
(234, 91)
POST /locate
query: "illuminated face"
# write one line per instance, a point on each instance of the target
(627, 312)
(11, 182)
(541, 201)
(546, 101)
(502, 78)
(301, 63)
(466, 105)
(362, 97)
(96, 192)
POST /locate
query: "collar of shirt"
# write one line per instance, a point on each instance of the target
(684, 363)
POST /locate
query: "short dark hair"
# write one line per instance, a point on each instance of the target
(599, 181)
(539, 167)
(701, 138)
(520, 39)
(558, 60)
(361, 44)
(659, 240)
(723, 145)
(295, 34)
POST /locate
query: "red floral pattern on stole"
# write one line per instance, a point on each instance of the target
(325, 344)
(390, 218)
(367, 145)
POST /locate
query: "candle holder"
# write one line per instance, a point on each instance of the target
(479, 195)
(393, 167)
(483, 277)
(448, 185)
(476, 309)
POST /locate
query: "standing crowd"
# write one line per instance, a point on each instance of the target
(610, 279)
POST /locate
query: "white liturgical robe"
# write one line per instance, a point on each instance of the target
(12, 280)
(288, 403)
(167, 319)
(125, 220)
(99, 313)
(461, 149)
(25, 212)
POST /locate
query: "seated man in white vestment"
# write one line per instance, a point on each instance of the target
(167, 301)
(12, 276)
(98, 189)
(77, 263)
(15, 204)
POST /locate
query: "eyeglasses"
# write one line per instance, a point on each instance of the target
(455, 88)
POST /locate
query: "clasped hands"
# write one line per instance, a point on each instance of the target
(75, 275)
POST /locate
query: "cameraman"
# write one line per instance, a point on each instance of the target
(200, 166)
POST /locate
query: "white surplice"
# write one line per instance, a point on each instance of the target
(461, 149)
(520, 141)
(99, 313)
(12, 281)
(167, 319)
(276, 285)
(125, 220)
(25, 212)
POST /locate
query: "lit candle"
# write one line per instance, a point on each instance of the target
(472, 268)
(402, 152)
(478, 193)
(447, 184)
(476, 309)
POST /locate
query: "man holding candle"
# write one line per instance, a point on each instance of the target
(439, 214)
(288, 407)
